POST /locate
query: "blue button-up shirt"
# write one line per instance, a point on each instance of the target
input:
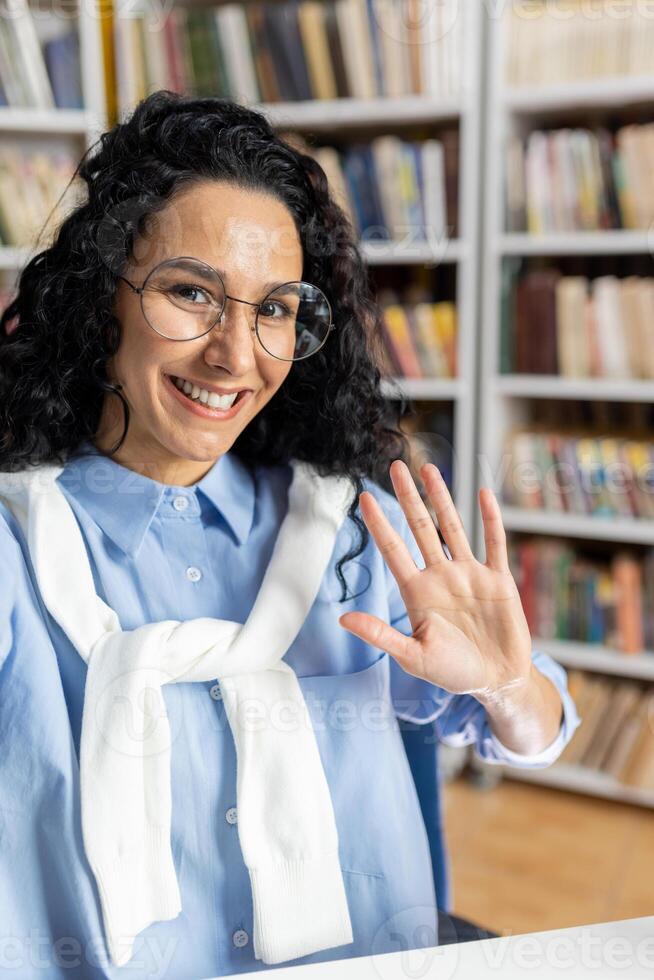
(171, 552)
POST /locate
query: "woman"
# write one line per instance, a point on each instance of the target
(198, 339)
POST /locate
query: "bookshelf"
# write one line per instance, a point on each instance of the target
(345, 118)
(55, 128)
(578, 779)
(321, 114)
(350, 119)
(388, 115)
(505, 399)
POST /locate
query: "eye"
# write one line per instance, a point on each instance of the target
(186, 292)
(267, 309)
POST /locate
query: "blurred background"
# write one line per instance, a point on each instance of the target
(497, 162)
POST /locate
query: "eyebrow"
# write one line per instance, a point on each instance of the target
(266, 286)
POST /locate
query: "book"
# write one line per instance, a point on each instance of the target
(577, 179)
(573, 326)
(547, 47)
(592, 600)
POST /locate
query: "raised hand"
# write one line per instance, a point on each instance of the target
(470, 634)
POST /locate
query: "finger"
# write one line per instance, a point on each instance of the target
(390, 543)
(418, 517)
(447, 515)
(494, 533)
(379, 634)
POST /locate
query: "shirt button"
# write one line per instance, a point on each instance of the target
(230, 816)
(193, 574)
(215, 692)
(240, 937)
(180, 503)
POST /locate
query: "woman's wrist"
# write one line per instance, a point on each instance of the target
(526, 718)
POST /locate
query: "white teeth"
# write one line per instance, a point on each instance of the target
(209, 398)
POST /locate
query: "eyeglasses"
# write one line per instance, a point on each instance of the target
(183, 298)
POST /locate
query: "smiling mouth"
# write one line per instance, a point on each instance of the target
(210, 399)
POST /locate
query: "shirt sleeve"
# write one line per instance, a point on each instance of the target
(45, 885)
(460, 719)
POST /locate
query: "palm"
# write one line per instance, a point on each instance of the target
(469, 629)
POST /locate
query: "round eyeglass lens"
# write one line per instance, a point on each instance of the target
(293, 321)
(182, 298)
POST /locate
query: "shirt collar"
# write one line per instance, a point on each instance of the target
(123, 502)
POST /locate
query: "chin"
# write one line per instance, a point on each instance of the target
(199, 447)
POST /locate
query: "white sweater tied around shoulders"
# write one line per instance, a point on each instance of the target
(286, 824)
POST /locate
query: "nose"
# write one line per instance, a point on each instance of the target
(231, 343)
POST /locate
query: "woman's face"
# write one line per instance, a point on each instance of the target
(251, 239)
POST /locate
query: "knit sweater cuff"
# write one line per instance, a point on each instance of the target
(300, 907)
(136, 889)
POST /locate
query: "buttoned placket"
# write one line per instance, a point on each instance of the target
(182, 505)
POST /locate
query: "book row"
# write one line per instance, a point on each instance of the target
(616, 736)
(391, 189)
(607, 476)
(395, 189)
(577, 327)
(31, 183)
(291, 50)
(576, 179)
(556, 41)
(419, 337)
(39, 61)
(568, 594)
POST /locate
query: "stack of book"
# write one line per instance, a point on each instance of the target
(395, 189)
(552, 41)
(39, 61)
(616, 736)
(419, 336)
(31, 183)
(291, 49)
(577, 327)
(580, 180)
(569, 595)
(603, 475)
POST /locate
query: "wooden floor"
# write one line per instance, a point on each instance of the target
(525, 858)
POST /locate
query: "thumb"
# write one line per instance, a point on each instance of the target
(379, 634)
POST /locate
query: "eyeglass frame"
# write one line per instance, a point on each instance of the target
(139, 290)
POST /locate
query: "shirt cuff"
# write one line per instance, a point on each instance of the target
(495, 751)
(543, 758)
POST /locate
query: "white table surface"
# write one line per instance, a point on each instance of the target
(624, 948)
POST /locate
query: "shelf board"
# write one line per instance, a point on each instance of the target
(435, 389)
(613, 242)
(412, 253)
(620, 529)
(374, 253)
(13, 258)
(70, 122)
(330, 114)
(578, 779)
(598, 658)
(591, 389)
(611, 91)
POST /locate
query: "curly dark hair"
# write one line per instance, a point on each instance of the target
(53, 378)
